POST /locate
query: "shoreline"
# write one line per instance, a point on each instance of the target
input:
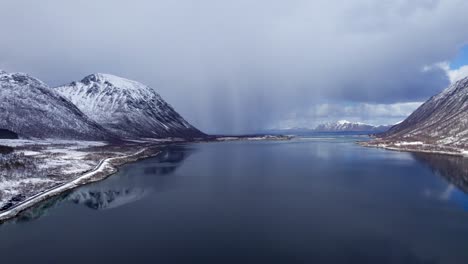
(109, 166)
(371, 144)
(105, 168)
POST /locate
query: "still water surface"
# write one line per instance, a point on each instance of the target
(310, 200)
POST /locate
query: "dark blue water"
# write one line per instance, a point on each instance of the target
(316, 200)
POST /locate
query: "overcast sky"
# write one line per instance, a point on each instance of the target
(241, 66)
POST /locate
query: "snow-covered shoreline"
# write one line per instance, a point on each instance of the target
(416, 146)
(104, 169)
(35, 166)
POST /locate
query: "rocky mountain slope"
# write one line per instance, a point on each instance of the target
(127, 108)
(347, 126)
(441, 121)
(31, 109)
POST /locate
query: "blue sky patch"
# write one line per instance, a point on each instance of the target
(461, 59)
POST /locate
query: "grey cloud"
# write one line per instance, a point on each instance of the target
(237, 66)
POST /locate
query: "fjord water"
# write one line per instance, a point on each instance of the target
(309, 200)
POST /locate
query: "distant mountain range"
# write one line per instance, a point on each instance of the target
(340, 126)
(347, 126)
(99, 107)
(441, 121)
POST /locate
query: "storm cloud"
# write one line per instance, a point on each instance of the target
(240, 66)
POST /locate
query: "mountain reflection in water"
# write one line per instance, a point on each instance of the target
(454, 169)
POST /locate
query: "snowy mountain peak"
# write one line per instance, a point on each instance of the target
(342, 122)
(463, 80)
(19, 78)
(31, 109)
(347, 126)
(456, 87)
(127, 107)
(112, 80)
(346, 122)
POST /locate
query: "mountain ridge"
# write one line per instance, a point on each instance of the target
(441, 120)
(340, 126)
(31, 108)
(347, 126)
(127, 108)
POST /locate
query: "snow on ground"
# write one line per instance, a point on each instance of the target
(19, 142)
(406, 143)
(103, 168)
(53, 162)
(448, 140)
(254, 138)
(68, 157)
(29, 142)
(31, 153)
(13, 186)
(418, 146)
(227, 138)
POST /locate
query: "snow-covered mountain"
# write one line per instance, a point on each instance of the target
(31, 109)
(347, 126)
(127, 108)
(442, 120)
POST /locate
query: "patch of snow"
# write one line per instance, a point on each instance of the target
(30, 153)
(29, 142)
(9, 185)
(406, 143)
(226, 138)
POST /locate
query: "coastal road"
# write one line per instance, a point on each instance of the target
(56, 190)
